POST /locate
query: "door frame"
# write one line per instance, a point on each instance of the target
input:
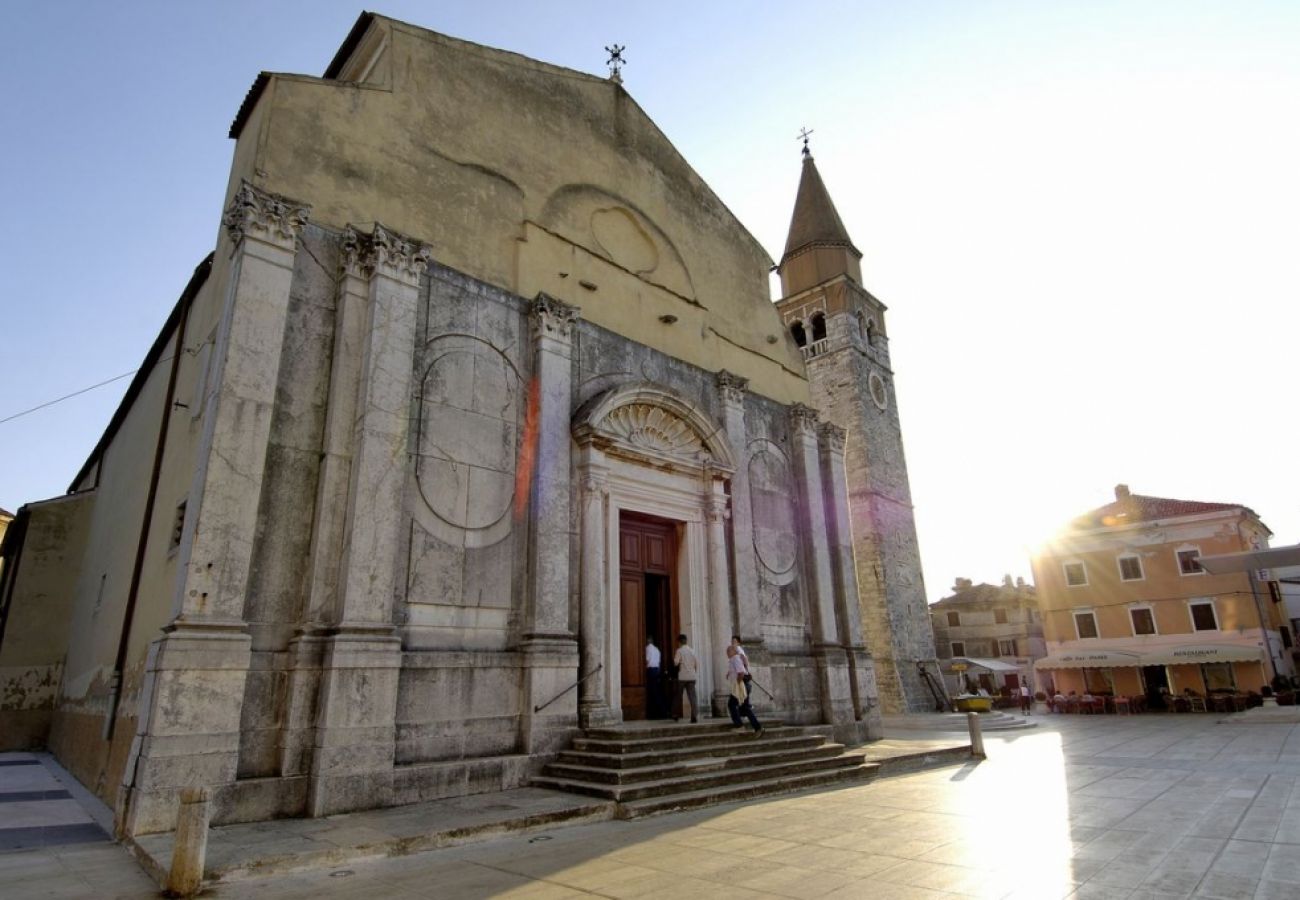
(676, 498)
(672, 533)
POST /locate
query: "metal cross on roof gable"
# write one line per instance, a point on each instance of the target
(615, 61)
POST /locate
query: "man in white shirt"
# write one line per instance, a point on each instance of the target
(688, 665)
(653, 687)
(744, 657)
(738, 702)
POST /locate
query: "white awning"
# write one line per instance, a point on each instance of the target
(1193, 654)
(1254, 559)
(992, 665)
(1089, 659)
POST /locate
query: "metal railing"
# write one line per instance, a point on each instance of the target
(538, 709)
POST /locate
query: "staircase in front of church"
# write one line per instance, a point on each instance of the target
(657, 767)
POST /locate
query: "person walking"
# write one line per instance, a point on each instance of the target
(1026, 700)
(738, 702)
(688, 666)
(740, 651)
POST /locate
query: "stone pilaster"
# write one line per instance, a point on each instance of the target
(550, 652)
(848, 615)
(593, 705)
(732, 389)
(188, 725)
(721, 622)
(828, 652)
(321, 601)
(352, 766)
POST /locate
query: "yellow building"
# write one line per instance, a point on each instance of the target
(1128, 609)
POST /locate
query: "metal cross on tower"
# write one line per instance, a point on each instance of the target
(804, 133)
(615, 62)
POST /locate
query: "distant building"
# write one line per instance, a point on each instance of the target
(988, 635)
(1128, 609)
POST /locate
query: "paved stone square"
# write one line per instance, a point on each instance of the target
(1082, 807)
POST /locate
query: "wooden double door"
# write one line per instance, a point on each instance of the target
(647, 608)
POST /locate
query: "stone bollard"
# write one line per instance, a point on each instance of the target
(191, 847)
(976, 736)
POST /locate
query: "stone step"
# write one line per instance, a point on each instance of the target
(680, 740)
(994, 721)
(763, 754)
(623, 793)
(744, 791)
(664, 729)
(645, 758)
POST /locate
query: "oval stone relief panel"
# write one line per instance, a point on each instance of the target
(770, 491)
(466, 442)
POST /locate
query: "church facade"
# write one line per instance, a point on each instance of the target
(480, 388)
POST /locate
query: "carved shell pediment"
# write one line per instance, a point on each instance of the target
(655, 430)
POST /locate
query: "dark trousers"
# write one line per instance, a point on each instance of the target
(688, 687)
(654, 694)
(735, 707)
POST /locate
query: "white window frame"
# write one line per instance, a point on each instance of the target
(1179, 563)
(1096, 626)
(955, 645)
(1004, 653)
(1155, 629)
(1065, 570)
(1214, 611)
(1119, 564)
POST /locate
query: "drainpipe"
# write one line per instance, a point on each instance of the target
(133, 592)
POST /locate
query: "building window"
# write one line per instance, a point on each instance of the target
(1187, 561)
(1144, 621)
(1006, 648)
(1085, 623)
(954, 619)
(1075, 574)
(1000, 616)
(1203, 618)
(958, 648)
(800, 336)
(1130, 568)
(818, 327)
(1286, 636)
(1099, 681)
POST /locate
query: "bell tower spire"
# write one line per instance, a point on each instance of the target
(818, 247)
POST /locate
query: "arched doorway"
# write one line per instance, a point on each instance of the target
(653, 469)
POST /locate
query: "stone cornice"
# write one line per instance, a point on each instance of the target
(259, 214)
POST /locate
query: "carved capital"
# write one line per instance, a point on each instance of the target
(732, 387)
(803, 420)
(833, 437)
(397, 255)
(553, 318)
(268, 217)
(384, 251)
(595, 484)
(716, 510)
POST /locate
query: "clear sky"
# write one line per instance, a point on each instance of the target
(1084, 217)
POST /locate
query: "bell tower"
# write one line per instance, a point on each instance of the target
(840, 328)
